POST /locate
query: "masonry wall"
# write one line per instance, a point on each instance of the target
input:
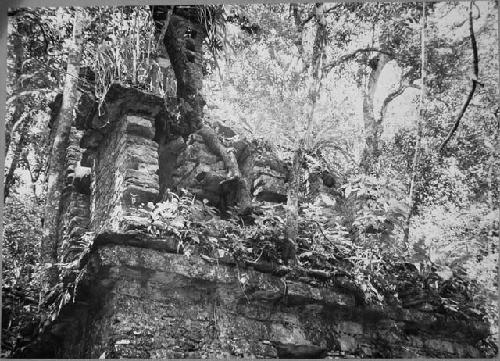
(152, 304)
(124, 175)
(140, 172)
(106, 180)
(75, 201)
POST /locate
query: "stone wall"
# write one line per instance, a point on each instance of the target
(124, 175)
(75, 200)
(140, 172)
(147, 303)
(106, 179)
(192, 165)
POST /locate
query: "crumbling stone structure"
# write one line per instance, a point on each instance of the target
(142, 298)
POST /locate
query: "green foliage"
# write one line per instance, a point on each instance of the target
(200, 229)
(376, 206)
(465, 239)
(71, 272)
(21, 273)
(121, 47)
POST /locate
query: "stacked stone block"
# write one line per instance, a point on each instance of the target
(125, 176)
(152, 304)
(197, 168)
(75, 202)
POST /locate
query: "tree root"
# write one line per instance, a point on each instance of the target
(235, 178)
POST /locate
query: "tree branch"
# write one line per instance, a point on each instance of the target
(28, 92)
(323, 144)
(313, 14)
(352, 55)
(475, 82)
(164, 28)
(390, 97)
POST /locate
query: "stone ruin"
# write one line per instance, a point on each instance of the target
(142, 298)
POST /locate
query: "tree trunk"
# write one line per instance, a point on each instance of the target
(33, 178)
(183, 42)
(16, 156)
(292, 205)
(17, 120)
(372, 124)
(296, 13)
(292, 212)
(492, 169)
(231, 163)
(57, 160)
(19, 59)
(414, 170)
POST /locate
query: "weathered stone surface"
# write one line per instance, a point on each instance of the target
(141, 149)
(119, 100)
(120, 149)
(142, 179)
(78, 221)
(124, 175)
(347, 343)
(134, 196)
(91, 139)
(140, 126)
(351, 328)
(269, 188)
(82, 179)
(298, 292)
(299, 351)
(168, 155)
(198, 309)
(87, 158)
(75, 201)
(196, 168)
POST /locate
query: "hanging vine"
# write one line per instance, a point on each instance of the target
(475, 81)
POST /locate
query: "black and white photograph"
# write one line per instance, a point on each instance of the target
(229, 180)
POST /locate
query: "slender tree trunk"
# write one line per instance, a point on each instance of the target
(135, 51)
(420, 122)
(292, 209)
(16, 156)
(296, 13)
(372, 124)
(492, 170)
(57, 160)
(33, 178)
(17, 116)
(12, 156)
